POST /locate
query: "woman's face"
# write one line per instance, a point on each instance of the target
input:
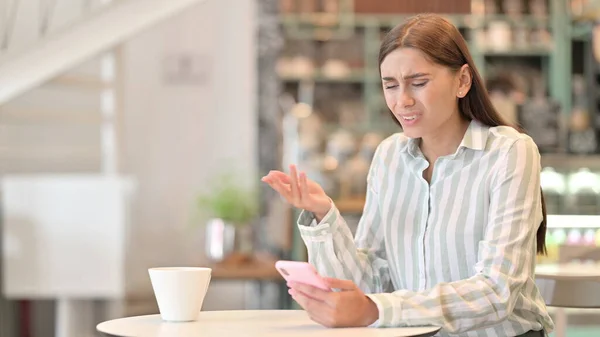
(422, 95)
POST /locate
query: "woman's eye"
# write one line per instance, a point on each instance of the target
(391, 86)
(420, 84)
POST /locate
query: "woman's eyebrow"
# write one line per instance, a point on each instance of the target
(407, 77)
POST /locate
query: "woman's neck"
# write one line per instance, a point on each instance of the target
(446, 141)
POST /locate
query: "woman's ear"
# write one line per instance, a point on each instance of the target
(465, 78)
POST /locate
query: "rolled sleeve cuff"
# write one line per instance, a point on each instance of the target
(383, 306)
(390, 309)
(307, 219)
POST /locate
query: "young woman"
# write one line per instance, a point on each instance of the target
(454, 213)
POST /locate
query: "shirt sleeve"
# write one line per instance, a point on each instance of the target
(335, 253)
(506, 257)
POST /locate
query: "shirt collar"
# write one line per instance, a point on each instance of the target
(475, 138)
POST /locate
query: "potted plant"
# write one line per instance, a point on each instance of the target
(229, 208)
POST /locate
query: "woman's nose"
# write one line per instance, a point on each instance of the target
(405, 100)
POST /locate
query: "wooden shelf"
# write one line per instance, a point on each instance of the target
(390, 20)
(570, 161)
(259, 269)
(475, 20)
(350, 205)
(531, 52)
(355, 76)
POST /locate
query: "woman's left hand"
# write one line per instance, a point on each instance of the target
(348, 307)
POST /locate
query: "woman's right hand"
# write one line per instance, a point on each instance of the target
(300, 191)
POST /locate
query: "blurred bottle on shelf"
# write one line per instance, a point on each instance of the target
(336, 68)
(554, 187)
(297, 59)
(540, 37)
(307, 6)
(582, 135)
(369, 144)
(579, 7)
(552, 248)
(353, 178)
(354, 50)
(521, 32)
(310, 136)
(583, 196)
(555, 238)
(559, 236)
(491, 7)
(351, 112)
(499, 36)
(333, 60)
(574, 237)
(589, 237)
(341, 146)
(478, 7)
(513, 8)
(538, 8)
(519, 94)
(340, 105)
(331, 6)
(540, 117)
(501, 88)
(354, 174)
(480, 38)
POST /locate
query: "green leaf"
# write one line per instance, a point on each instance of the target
(230, 201)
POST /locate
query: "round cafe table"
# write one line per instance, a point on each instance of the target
(568, 272)
(247, 323)
(568, 285)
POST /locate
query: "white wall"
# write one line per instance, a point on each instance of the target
(178, 136)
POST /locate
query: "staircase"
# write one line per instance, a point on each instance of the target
(60, 79)
(43, 54)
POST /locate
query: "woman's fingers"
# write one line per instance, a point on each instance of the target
(276, 177)
(304, 185)
(283, 190)
(284, 178)
(294, 185)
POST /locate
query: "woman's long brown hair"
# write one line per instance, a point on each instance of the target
(441, 41)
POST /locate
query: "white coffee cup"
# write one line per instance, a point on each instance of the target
(180, 291)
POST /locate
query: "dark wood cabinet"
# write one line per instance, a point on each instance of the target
(412, 6)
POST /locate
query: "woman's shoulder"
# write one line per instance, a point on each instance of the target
(387, 151)
(506, 137)
(394, 143)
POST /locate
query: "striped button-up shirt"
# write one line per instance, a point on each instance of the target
(458, 252)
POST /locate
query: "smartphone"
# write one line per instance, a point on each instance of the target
(301, 272)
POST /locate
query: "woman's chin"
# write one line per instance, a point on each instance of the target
(411, 132)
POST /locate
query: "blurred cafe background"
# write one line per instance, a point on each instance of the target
(133, 134)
